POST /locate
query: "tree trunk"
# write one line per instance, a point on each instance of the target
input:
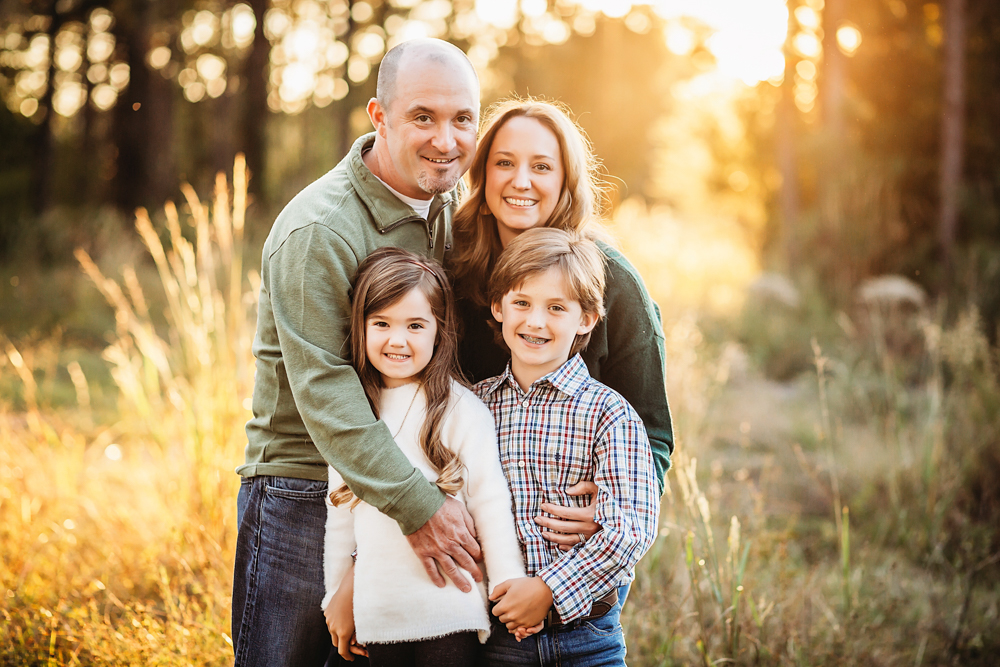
(952, 127)
(42, 198)
(255, 112)
(832, 75)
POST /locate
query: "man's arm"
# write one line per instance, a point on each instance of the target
(308, 281)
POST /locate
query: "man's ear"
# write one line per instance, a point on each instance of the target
(377, 115)
(497, 312)
(587, 323)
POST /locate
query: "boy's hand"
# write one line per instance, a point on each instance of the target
(339, 615)
(524, 602)
(575, 524)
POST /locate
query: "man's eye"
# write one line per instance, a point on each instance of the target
(424, 118)
(464, 119)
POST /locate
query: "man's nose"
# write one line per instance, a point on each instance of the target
(444, 138)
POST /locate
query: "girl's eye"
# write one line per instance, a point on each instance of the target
(378, 324)
(416, 325)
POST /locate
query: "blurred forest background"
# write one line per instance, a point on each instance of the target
(810, 188)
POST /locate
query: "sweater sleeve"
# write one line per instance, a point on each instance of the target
(636, 358)
(338, 542)
(308, 280)
(471, 433)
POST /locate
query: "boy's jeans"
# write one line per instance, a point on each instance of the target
(580, 643)
(278, 577)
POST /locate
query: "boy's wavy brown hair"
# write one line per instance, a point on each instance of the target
(537, 250)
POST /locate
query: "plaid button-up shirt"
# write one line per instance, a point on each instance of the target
(565, 429)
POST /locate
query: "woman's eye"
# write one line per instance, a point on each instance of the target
(543, 167)
(503, 163)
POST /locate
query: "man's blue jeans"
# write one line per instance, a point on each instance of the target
(579, 643)
(278, 577)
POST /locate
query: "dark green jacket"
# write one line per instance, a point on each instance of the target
(626, 351)
(309, 407)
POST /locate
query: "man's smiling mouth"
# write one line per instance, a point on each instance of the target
(441, 160)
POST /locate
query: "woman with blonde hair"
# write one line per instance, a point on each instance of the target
(535, 167)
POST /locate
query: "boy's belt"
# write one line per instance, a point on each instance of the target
(598, 609)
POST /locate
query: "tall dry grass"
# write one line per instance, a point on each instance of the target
(116, 538)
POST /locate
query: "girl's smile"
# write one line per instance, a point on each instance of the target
(399, 340)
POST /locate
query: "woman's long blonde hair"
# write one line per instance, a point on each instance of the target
(579, 207)
(385, 277)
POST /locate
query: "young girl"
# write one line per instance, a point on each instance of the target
(404, 348)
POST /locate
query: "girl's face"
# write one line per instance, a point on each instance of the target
(524, 176)
(399, 340)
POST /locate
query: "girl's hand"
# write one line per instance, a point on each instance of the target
(575, 524)
(523, 602)
(339, 615)
(521, 633)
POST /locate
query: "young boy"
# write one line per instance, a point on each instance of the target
(557, 426)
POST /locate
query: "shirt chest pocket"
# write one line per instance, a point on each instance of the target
(566, 461)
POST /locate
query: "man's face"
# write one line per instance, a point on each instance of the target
(429, 128)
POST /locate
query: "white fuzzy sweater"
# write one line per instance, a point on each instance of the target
(394, 599)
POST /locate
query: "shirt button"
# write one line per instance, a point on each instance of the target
(525, 403)
(520, 464)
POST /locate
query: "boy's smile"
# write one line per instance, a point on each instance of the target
(540, 323)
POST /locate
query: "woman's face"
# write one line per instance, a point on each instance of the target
(524, 176)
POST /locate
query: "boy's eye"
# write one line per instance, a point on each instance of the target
(558, 308)
(520, 302)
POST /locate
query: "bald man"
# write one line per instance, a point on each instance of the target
(394, 188)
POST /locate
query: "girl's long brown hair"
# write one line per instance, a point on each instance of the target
(477, 241)
(383, 279)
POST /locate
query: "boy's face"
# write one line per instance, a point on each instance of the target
(540, 322)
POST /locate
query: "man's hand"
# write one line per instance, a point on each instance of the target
(573, 522)
(339, 615)
(523, 604)
(448, 541)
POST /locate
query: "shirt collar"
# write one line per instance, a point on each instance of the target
(570, 378)
(386, 209)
